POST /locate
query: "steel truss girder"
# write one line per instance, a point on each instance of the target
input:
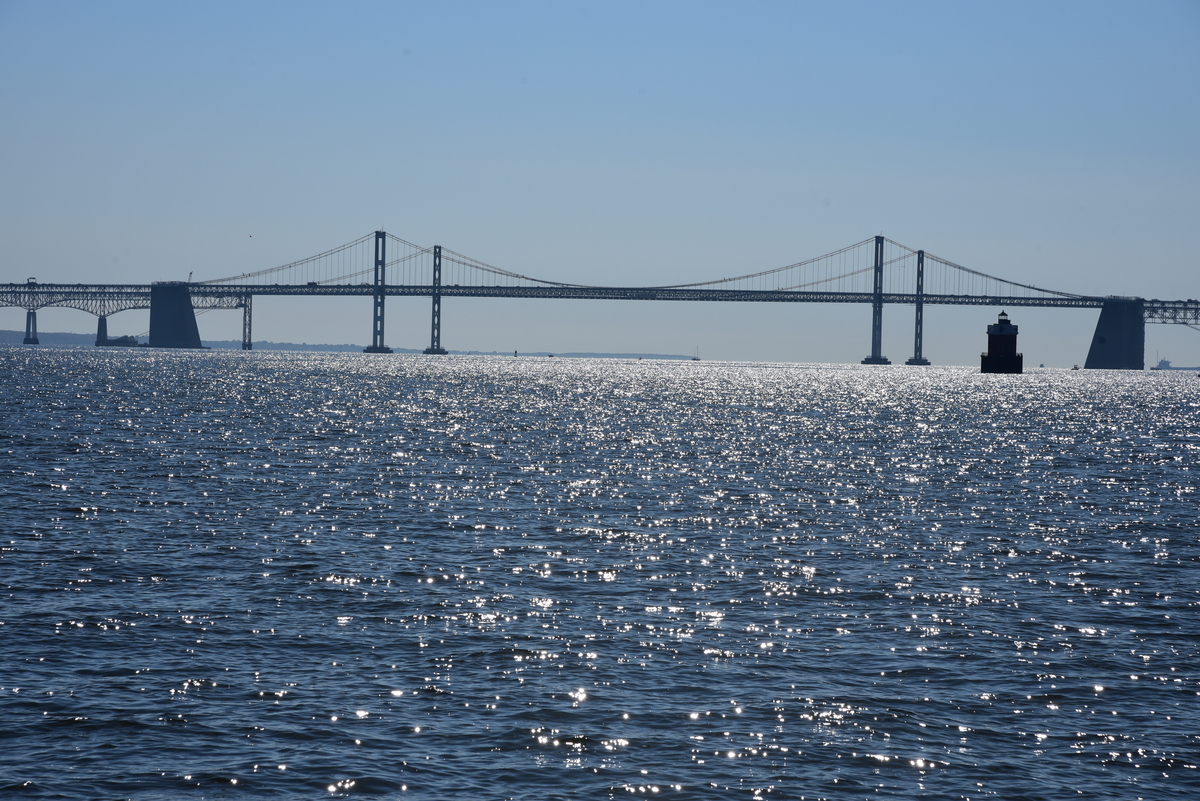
(101, 300)
(1185, 312)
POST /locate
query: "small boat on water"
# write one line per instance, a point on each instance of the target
(696, 355)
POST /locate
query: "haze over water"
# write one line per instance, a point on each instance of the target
(293, 575)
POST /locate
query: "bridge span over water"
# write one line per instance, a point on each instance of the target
(877, 271)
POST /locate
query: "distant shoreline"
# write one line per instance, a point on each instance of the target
(52, 339)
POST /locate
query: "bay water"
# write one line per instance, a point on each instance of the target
(228, 575)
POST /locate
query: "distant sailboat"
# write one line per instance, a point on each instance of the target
(696, 355)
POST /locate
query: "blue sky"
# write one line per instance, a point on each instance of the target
(609, 143)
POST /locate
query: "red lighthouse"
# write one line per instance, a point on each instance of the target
(1002, 356)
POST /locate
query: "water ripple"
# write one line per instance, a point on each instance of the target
(291, 575)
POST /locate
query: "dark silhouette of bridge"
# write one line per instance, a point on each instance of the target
(877, 271)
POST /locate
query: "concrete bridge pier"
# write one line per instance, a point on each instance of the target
(172, 318)
(31, 337)
(30, 327)
(247, 343)
(1119, 342)
(101, 331)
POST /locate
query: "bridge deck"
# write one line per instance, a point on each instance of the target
(105, 299)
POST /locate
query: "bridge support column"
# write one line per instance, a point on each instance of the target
(876, 356)
(101, 331)
(1120, 339)
(247, 301)
(919, 333)
(31, 337)
(377, 345)
(435, 333)
(172, 318)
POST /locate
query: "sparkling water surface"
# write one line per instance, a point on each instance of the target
(232, 574)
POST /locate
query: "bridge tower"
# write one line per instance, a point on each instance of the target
(435, 332)
(876, 356)
(920, 314)
(101, 331)
(377, 345)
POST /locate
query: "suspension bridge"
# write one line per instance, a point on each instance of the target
(877, 271)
